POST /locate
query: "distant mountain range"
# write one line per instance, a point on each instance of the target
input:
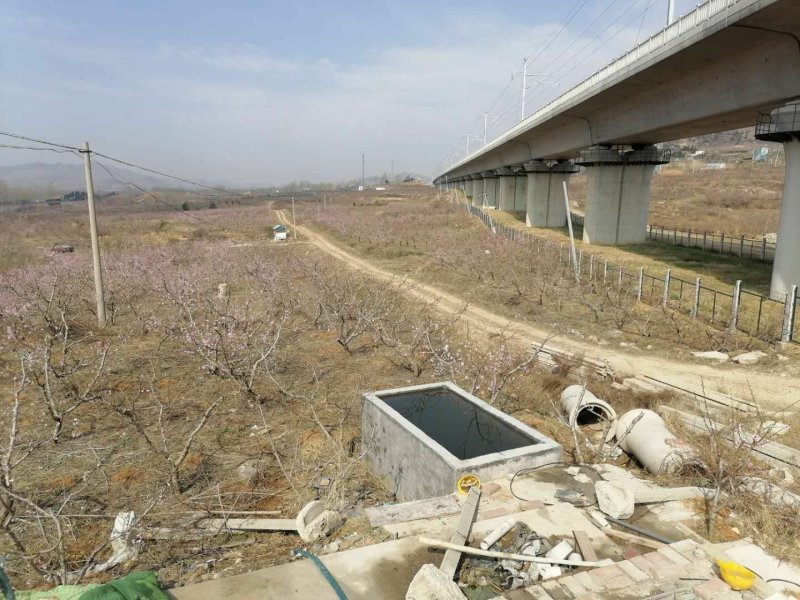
(60, 178)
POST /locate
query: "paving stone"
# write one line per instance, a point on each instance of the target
(711, 589)
(632, 571)
(685, 547)
(673, 556)
(496, 512)
(490, 488)
(611, 577)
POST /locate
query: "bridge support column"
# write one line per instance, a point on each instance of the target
(618, 193)
(505, 188)
(520, 189)
(467, 188)
(545, 193)
(783, 125)
(489, 189)
(477, 188)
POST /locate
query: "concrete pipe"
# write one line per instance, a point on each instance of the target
(649, 440)
(582, 407)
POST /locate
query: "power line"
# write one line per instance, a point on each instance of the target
(35, 148)
(46, 143)
(121, 179)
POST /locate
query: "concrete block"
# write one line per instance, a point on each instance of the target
(493, 513)
(490, 488)
(611, 578)
(615, 499)
(711, 589)
(573, 585)
(431, 584)
(585, 579)
(685, 547)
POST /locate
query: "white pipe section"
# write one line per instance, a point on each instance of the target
(649, 440)
(491, 539)
(579, 404)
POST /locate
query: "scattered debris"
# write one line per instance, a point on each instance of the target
(431, 584)
(314, 522)
(615, 499)
(251, 471)
(497, 533)
(123, 544)
(63, 248)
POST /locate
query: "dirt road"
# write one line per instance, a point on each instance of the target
(772, 391)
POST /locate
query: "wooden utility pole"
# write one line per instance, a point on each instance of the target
(98, 270)
(294, 221)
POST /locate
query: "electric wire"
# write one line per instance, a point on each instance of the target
(121, 179)
(30, 139)
(13, 147)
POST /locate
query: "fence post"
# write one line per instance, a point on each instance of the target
(696, 303)
(763, 248)
(665, 299)
(580, 263)
(591, 267)
(605, 269)
(741, 246)
(619, 282)
(737, 296)
(705, 234)
(641, 284)
(788, 315)
(722, 244)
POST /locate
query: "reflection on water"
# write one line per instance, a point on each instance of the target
(457, 424)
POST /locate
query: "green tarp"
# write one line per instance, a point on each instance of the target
(141, 585)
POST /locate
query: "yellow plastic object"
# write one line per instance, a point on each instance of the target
(466, 482)
(735, 575)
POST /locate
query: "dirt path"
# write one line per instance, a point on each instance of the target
(769, 390)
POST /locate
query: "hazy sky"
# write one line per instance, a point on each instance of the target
(269, 92)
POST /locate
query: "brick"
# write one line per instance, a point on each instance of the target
(605, 573)
(496, 512)
(685, 547)
(557, 591)
(673, 556)
(587, 582)
(489, 488)
(538, 593)
(630, 553)
(711, 589)
(573, 585)
(632, 571)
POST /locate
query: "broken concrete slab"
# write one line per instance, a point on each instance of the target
(431, 584)
(460, 536)
(711, 355)
(314, 522)
(749, 358)
(615, 499)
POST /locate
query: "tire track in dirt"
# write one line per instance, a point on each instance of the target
(768, 390)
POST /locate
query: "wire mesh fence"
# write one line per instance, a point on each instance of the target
(740, 310)
(758, 248)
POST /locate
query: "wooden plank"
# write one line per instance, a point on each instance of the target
(411, 511)
(584, 545)
(249, 524)
(451, 559)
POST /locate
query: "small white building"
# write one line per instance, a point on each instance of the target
(279, 233)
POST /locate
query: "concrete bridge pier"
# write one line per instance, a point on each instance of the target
(477, 189)
(467, 188)
(505, 188)
(520, 189)
(783, 125)
(545, 193)
(489, 189)
(618, 193)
